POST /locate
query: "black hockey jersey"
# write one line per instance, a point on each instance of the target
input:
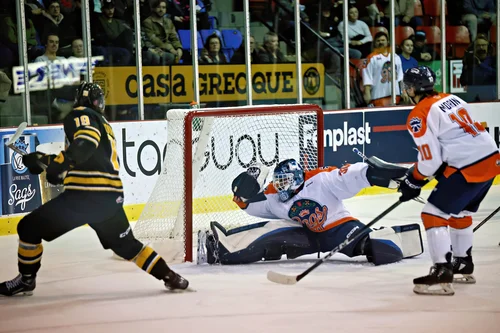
(100, 171)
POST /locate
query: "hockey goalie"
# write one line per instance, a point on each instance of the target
(304, 214)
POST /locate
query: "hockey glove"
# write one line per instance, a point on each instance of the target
(36, 162)
(245, 186)
(410, 187)
(57, 169)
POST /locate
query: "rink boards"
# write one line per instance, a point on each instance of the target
(141, 146)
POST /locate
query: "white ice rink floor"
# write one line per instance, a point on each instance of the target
(80, 289)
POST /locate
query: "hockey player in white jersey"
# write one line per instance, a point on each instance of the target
(308, 215)
(448, 140)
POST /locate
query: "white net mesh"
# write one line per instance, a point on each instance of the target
(223, 147)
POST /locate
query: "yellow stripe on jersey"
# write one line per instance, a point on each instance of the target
(93, 173)
(87, 132)
(93, 188)
(92, 181)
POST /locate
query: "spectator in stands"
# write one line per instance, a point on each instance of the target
(359, 35)
(51, 48)
(212, 53)
(406, 59)
(327, 27)
(77, 14)
(479, 14)
(54, 22)
(77, 49)
(113, 35)
(285, 18)
(422, 51)
(161, 34)
(180, 13)
(270, 52)
(404, 13)
(8, 35)
(377, 76)
(479, 71)
(5, 85)
(239, 55)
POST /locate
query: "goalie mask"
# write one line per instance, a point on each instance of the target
(287, 178)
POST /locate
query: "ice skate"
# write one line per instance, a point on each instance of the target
(463, 267)
(174, 281)
(19, 285)
(438, 282)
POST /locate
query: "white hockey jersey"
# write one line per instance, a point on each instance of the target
(319, 204)
(377, 73)
(444, 131)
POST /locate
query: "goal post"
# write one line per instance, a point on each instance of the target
(206, 150)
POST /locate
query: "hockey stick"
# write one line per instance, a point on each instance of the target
(19, 131)
(363, 156)
(486, 219)
(287, 279)
(11, 142)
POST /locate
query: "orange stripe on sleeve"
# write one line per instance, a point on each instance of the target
(460, 223)
(433, 221)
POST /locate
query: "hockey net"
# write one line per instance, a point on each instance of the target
(206, 150)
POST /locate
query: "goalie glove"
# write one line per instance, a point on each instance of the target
(249, 183)
(410, 187)
(56, 171)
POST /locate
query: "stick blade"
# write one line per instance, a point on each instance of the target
(281, 278)
(17, 134)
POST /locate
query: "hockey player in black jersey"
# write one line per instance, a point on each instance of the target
(93, 194)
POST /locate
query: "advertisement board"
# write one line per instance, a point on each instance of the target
(174, 84)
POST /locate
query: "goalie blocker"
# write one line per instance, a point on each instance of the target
(270, 240)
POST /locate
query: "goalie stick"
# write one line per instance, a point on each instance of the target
(363, 156)
(287, 279)
(12, 141)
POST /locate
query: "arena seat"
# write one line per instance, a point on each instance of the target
(402, 33)
(232, 38)
(375, 30)
(185, 39)
(457, 39)
(433, 34)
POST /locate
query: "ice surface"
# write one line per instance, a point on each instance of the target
(81, 289)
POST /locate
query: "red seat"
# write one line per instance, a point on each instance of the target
(403, 33)
(375, 30)
(418, 8)
(458, 39)
(432, 9)
(433, 34)
(493, 34)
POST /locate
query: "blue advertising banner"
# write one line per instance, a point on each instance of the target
(342, 133)
(22, 192)
(390, 139)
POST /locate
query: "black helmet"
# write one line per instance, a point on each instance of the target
(90, 95)
(422, 78)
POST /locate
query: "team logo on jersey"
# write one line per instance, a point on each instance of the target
(312, 81)
(386, 72)
(309, 213)
(416, 124)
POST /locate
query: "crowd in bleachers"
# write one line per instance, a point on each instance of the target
(54, 31)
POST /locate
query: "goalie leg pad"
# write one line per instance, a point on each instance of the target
(384, 174)
(259, 241)
(388, 245)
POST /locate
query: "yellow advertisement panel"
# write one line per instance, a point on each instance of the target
(217, 83)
